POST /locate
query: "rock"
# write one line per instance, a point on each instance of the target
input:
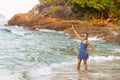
(19, 19)
(6, 25)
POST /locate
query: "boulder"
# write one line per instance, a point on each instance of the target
(19, 19)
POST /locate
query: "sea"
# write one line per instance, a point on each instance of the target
(52, 55)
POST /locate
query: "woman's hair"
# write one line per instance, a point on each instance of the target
(86, 33)
(83, 34)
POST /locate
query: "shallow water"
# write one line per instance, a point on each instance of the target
(51, 55)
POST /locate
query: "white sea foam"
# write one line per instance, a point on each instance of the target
(62, 64)
(95, 39)
(116, 51)
(36, 72)
(103, 58)
(91, 39)
(68, 63)
(7, 75)
(18, 33)
(47, 69)
(54, 65)
(16, 30)
(46, 30)
(52, 31)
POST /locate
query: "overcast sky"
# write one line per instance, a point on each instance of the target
(10, 7)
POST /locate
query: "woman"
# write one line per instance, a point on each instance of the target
(83, 52)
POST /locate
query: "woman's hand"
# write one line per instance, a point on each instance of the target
(88, 52)
(76, 33)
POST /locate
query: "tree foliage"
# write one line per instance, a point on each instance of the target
(99, 8)
(50, 0)
(96, 7)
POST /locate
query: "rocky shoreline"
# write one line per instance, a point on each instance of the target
(37, 19)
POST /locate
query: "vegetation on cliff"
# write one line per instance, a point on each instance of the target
(87, 9)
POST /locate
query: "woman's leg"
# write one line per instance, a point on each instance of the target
(78, 64)
(85, 64)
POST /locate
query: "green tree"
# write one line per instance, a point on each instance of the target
(96, 7)
(85, 8)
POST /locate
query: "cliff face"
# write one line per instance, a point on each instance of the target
(43, 16)
(58, 16)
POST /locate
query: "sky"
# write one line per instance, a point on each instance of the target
(10, 7)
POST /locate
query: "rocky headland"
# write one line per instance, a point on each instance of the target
(58, 16)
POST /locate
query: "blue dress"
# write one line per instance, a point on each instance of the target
(82, 52)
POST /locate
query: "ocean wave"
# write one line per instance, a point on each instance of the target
(41, 70)
(46, 30)
(5, 30)
(18, 32)
(7, 75)
(116, 51)
(52, 31)
(95, 39)
(36, 71)
(104, 58)
(15, 30)
(45, 70)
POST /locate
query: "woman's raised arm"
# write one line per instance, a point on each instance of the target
(76, 33)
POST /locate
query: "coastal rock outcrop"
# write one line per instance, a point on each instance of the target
(57, 16)
(19, 19)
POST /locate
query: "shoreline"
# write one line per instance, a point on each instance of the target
(96, 71)
(107, 34)
(110, 34)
